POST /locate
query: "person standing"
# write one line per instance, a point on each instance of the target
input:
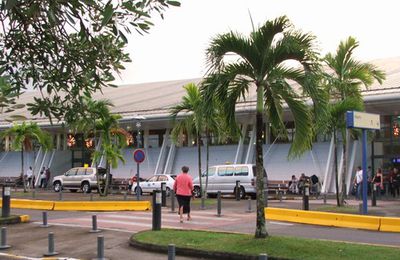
(377, 181)
(358, 181)
(48, 175)
(183, 187)
(29, 174)
(42, 178)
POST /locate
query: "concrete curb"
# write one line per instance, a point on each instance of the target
(334, 219)
(193, 252)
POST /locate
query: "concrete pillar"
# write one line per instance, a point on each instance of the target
(58, 142)
(7, 143)
(146, 138)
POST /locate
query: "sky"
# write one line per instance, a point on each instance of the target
(175, 47)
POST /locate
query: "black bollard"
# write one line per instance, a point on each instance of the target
(237, 190)
(219, 204)
(44, 217)
(60, 195)
(156, 225)
(5, 210)
(94, 225)
(100, 248)
(33, 194)
(172, 200)
(360, 209)
(3, 242)
(306, 195)
(325, 197)
(373, 199)
(171, 252)
(163, 194)
(262, 257)
(91, 196)
(51, 251)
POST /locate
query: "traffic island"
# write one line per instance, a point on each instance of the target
(222, 245)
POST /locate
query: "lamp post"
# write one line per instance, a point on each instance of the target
(138, 136)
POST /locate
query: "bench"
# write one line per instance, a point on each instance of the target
(119, 184)
(278, 186)
(13, 182)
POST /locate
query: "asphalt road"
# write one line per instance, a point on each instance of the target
(73, 239)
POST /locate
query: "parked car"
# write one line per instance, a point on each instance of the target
(78, 178)
(154, 183)
(223, 178)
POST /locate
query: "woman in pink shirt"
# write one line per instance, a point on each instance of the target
(183, 187)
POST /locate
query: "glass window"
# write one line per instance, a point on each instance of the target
(211, 172)
(241, 171)
(154, 178)
(162, 178)
(89, 171)
(71, 172)
(81, 171)
(226, 171)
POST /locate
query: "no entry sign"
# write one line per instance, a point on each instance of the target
(139, 155)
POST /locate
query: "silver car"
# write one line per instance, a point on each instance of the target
(78, 178)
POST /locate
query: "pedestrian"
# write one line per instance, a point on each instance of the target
(377, 181)
(293, 188)
(42, 177)
(183, 188)
(358, 182)
(28, 177)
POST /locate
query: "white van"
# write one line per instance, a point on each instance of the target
(223, 178)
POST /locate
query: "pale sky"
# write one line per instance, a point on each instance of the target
(175, 47)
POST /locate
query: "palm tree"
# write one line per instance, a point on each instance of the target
(345, 77)
(262, 63)
(193, 123)
(24, 134)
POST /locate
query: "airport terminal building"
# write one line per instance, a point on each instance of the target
(145, 114)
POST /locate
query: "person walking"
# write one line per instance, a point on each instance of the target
(377, 181)
(29, 174)
(183, 187)
(358, 182)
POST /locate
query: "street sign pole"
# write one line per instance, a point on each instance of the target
(365, 177)
(137, 182)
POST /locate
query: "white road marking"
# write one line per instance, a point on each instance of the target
(280, 223)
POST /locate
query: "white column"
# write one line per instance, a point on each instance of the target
(58, 142)
(146, 138)
(7, 143)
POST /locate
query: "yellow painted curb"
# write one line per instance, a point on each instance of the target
(390, 224)
(32, 204)
(101, 205)
(324, 218)
(24, 218)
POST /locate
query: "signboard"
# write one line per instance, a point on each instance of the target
(355, 119)
(139, 155)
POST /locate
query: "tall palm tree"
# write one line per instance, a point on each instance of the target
(345, 77)
(24, 134)
(262, 64)
(193, 123)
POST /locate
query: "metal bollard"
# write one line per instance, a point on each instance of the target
(237, 190)
(325, 197)
(262, 257)
(249, 205)
(386, 190)
(171, 252)
(94, 225)
(219, 204)
(203, 203)
(125, 195)
(33, 194)
(172, 200)
(5, 208)
(91, 196)
(306, 195)
(44, 217)
(156, 223)
(60, 195)
(3, 244)
(100, 248)
(51, 251)
(373, 199)
(280, 196)
(360, 208)
(163, 194)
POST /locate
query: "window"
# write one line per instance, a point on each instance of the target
(71, 172)
(241, 171)
(211, 172)
(89, 171)
(162, 178)
(81, 171)
(152, 179)
(225, 171)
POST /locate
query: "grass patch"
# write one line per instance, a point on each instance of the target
(274, 246)
(344, 209)
(207, 202)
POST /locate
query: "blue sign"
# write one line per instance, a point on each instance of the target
(139, 155)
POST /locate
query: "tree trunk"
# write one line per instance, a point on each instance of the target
(336, 167)
(344, 173)
(261, 231)
(107, 181)
(207, 158)
(198, 139)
